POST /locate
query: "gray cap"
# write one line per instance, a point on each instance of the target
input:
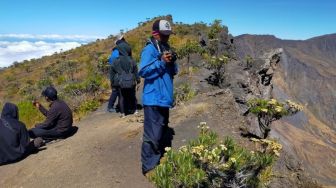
(162, 26)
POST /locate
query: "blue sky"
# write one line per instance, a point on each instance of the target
(33, 28)
(290, 19)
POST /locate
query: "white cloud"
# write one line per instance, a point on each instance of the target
(56, 37)
(25, 50)
(19, 47)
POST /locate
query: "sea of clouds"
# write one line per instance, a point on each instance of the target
(19, 47)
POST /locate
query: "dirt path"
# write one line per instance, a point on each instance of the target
(105, 152)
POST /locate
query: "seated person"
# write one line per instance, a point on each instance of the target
(58, 123)
(15, 143)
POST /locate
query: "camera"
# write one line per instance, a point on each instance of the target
(173, 55)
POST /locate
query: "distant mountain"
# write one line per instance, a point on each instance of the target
(307, 74)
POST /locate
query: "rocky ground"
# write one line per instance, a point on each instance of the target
(105, 152)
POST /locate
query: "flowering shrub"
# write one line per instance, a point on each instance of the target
(218, 65)
(207, 162)
(268, 111)
(268, 146)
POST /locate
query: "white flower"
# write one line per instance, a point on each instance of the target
(272, 101)
(233, 160)
(222, 147)
(264, 110)
(167, 149)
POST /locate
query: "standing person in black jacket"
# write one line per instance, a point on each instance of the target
(58, 123)
(124, 64)
(14, 138)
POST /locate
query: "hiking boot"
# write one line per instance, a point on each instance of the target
(38, 142)
(136, 112)
(112, 110)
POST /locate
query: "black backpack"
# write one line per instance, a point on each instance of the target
(126, 79)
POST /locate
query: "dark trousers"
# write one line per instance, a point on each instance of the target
(45, 133)
(127, 101)
(115, 93)
(157, 136)
(134, 103)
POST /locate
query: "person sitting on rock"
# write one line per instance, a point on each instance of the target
(15, 143)
(58, 123)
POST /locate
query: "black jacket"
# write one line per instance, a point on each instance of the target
(59, 117)
(14, 137)
(123, 63)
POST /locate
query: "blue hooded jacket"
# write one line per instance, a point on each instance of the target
(158, 85)
(114, 55)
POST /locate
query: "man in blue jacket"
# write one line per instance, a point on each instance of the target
(158, 68)
(115, 88)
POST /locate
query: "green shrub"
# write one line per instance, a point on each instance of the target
(26, 89)
(178, 170)
(217, 64)
(28, 114)
(87, 107)
(12, 89)
(91, 85)
(249, 61)
(60, 80)
(10, 77)
(184, 93)
(271, 110)
(207, 162)
(44, 83)
(74, 89)
(189, 48)
(103, 65)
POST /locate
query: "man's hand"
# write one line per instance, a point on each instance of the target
(167, 57)
(36, 104)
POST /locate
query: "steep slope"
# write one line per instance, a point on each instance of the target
(307, 74)
(80, 75)
(309, 69)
